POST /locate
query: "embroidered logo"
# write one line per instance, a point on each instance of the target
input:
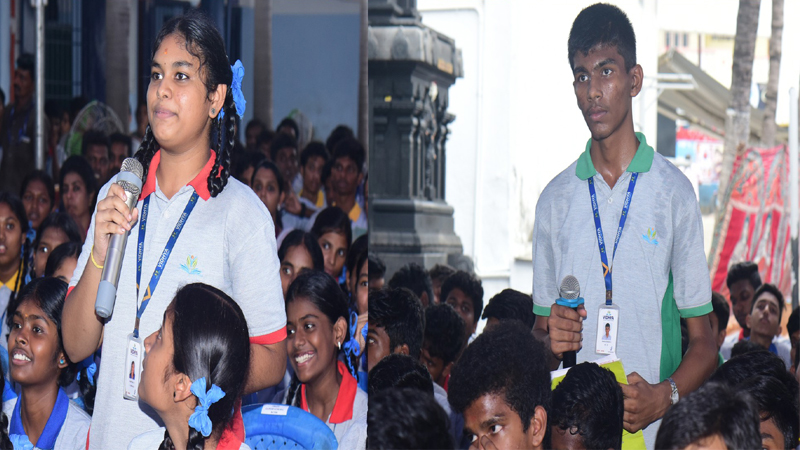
(191, 266)
(650, 237)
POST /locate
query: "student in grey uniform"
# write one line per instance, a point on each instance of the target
(195, 368)
(42, 415)
(316, 310)
(224, 236)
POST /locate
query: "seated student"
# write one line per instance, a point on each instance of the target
(352, 265)
(246, 166)
(587, 410)
(509, 305)
(398, 371)
(442, 343)
(13, 261)
(251, 131)
(714, 416)
(403, 419)
(312, 194)
(743, 280)
(58, 228)
(377, 270)
(289, 126)
(283, 153)
(719, 321)
(38, 194)
(268, 185)
(78, 188)
(338, 134)
(415, 278)
(298, 253)
(502, 387)
(62, 261)
(764, 322)
(94, 147)
(438, 274)
(327, 182)
(464, 292)
(121, 148)
(316, 323)
(194, 370)
(42, 415)
(347, 174)
(333, 233)
(396, 325)
(263, 142)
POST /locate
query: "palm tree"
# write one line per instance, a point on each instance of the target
(768, 129)
(737, 122)
(262, 89)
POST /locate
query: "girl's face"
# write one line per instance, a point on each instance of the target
(157, 366)
(334, 250)
(178, 104)
(37, 201)
(76, 198)
(34, 349)
(265, 185)
(66, 269)
(362, 288)
(311, 339)
(10, 237)
(51, 238)
(296, 260)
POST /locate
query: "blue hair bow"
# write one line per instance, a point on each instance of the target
(351, 347)
(21, 442)
(236, 90)
(199, 419)
(91, 369)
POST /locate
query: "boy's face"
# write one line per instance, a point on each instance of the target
(345, 176)
(436, 366)
(742, 298)
(563, 439)
(492, 424)
(771, 436)
(378, 346)
(463, 306)
(604, 89)
(764, 319)
(312, 174)
(716, 442)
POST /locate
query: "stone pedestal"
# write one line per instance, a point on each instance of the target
(411, 68)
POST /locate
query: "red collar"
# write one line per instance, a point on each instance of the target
(343, 408)
(199, 183)
(741, 334)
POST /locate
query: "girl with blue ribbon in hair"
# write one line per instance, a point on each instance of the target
(192, 223)
(42, 415)
(195, 370)
(317, 314)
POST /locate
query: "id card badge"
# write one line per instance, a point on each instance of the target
(607, 328)
(133, 368)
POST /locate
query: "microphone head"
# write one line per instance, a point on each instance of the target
(570, 288)
(133, 166)
(130, 176)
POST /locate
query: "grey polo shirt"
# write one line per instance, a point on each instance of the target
(228, 242)
(659, 273)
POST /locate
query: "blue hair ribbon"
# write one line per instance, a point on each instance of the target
(199, 419)
(91, 369)
(236, 90)
(21, 442)
(351, 347)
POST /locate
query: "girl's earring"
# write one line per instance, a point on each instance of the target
(213, 111)
(62, 361)
(339, 344)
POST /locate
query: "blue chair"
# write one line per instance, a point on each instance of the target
(271, 426)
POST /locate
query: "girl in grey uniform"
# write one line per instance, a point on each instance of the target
(42, 415)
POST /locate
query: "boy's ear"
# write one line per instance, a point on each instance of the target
(217, 98)
(340, 330)
(637, 77)
(747, 321)
(182, 388)
(402, 349)
(447, 369)
(537, 428)
(720, 338)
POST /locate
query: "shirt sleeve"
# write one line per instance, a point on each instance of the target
(691, 282)
(544, 285)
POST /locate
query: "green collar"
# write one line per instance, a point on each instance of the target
(642, 160)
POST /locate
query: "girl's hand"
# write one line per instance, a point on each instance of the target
(113, 217)
(292, 203)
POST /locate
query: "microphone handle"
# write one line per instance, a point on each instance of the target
(568, 359)
(109, 280)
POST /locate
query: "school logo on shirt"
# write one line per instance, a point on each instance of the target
(190, 266)
(650, 237)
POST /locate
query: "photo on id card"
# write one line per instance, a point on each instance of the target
(133, 368)
(607, 326)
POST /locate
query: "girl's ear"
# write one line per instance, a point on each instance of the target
(217, 98)
(340, 329)
(182, 388)
(62, 360)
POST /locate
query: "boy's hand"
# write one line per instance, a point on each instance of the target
(566, 326)
(644, 402)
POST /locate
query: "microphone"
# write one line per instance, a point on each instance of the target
(130, 178)
(570, 292)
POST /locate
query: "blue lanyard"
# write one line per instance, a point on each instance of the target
(47, 440)
(162, 261)
(599, 229)
(24, 129)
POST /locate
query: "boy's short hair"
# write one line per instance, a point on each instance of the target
(313, 149)
(93, 137)
(441, 272)
(470, 285)
(398, 371)
(590, 400)
(793, 325)
(350, 148)
(756, 364)
(772, 289)
(713, 409)
(401, 418)
(280, 141)
(289, 122)
(602, 24)
(119, 138)
(415, 278)
(746, 270)
(746, 346)
(399, 313)
(377, 269)
(506, 361)
(339, 133)
(721, 309)
(444, 332)
(775, 402)
(510, 304)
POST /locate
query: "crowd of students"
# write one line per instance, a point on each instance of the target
(263, 300)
